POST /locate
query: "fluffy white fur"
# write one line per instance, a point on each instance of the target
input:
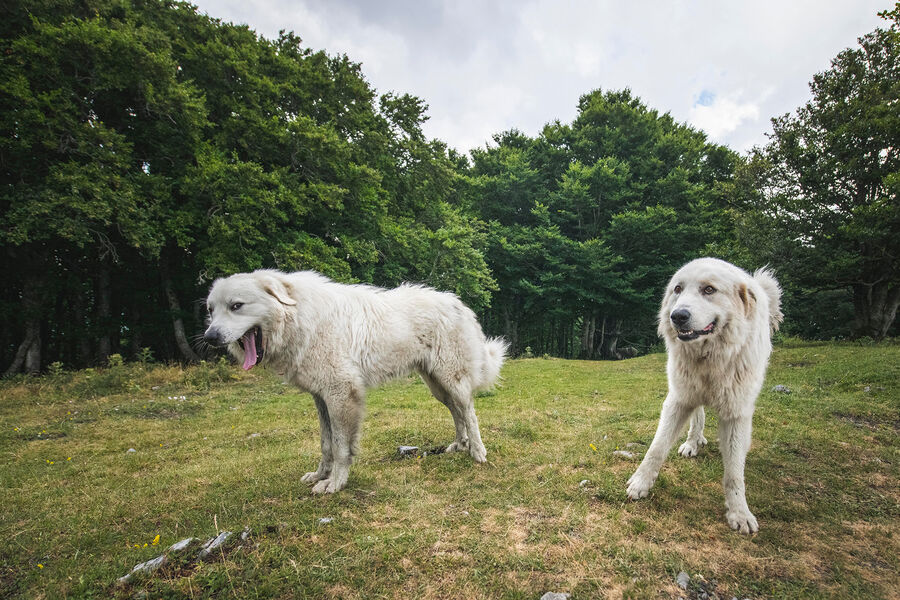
(716, 320)
(335, 341)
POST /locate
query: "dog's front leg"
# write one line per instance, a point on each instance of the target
(695, 438)
(327, 459)
(345, 407)
(671, 422)
(734, 443)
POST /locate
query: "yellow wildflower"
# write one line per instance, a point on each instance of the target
(40, 566)
(593, 447)
(155, 540)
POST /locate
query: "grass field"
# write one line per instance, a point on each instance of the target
(79, 510)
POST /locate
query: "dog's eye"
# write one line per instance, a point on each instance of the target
(677, 289)
(708, 290)
(237, 305)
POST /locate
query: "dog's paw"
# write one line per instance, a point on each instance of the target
(639, 485)
(312, 477)
(742, 521)
(458, 446)
(479, 454)
(327, 486)
(691, 448)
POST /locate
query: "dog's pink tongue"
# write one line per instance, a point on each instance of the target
(710, 326)
(249, 340)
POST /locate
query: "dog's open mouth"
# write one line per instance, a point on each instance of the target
(686, 335)
(254, 347)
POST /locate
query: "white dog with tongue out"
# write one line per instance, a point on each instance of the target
(716, 320)
(336, 341)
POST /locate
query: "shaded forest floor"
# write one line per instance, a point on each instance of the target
(218, 449)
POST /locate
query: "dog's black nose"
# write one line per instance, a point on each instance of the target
(212, 336)
(680, 316)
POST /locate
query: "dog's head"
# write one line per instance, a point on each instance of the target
(243, 310)
(705, 298)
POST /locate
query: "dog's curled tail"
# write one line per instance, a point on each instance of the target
(766, 280)
(494, 355)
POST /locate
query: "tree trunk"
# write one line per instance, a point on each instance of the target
(177, 323)
(511, 331)
(104, 343)
(875, 308)
(33, 355)
(83, 344)
(612, 340)
(588, 332)
(25, 352)
(29, 351)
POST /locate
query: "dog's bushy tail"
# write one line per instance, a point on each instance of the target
(494, 355)
(766, 280)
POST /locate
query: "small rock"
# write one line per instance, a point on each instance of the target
(781, 389)
(179, 546)
(683, 579)
(634, 444)
(583, 483)
(144, 567)
(556, 596)
(408, 450)
(623, 454)
(253, 435)
(131, 450)
(245, 534)
(213, 543)
(325, 520)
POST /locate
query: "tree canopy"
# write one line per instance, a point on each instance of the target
(148, 149)
(824, 191)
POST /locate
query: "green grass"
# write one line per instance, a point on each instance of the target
(822, 479)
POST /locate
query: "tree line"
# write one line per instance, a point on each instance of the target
(148, 149)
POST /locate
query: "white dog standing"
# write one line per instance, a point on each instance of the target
(716, 320)
(335, 341)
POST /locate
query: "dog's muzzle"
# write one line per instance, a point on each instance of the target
(213, 336)
(681, 318)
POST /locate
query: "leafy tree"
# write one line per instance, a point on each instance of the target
(829, 181)
(147, 149)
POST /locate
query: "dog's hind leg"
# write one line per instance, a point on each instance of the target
(734, 443)
(327, 459)
(437, 390)
(460, 394)
(346, 406)
(671, 422)
(695, 439)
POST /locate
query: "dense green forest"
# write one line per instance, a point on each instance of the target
(148, 149)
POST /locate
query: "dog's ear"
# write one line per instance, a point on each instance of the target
(278, 290)
(747, 298)
(663, 324)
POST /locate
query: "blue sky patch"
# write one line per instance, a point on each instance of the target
(705, 98)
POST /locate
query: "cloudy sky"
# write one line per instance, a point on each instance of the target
(482, 66)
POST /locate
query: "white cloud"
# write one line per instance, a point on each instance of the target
(719, 116)
(485, 67)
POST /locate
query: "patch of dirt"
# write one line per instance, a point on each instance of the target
(868, 421)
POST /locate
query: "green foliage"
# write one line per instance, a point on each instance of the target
(148, 149)
(825, 192)
(589, 220)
